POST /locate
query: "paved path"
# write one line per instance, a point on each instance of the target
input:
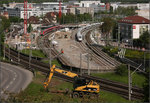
(13, 79)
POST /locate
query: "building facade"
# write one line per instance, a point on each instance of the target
(132, 27)
(87, 3)
(11, 11)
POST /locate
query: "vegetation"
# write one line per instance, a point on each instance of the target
(15, 19)
(146, 87)
(36, 53)
(35, 93)
(122, 70)
(106, 30)
(138, 79)
(56, 62)
(4, 25)
(29, 29)
(143, 41)
(71, 18)
(129, 11)
(133, 54)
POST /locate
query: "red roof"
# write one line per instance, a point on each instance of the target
(134, 20)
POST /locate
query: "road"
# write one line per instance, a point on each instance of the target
(13, 79)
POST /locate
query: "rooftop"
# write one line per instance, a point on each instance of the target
(134, 20)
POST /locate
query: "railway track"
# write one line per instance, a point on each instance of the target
(105, 62)
(98, 51)
(119, 88)
(44, 45)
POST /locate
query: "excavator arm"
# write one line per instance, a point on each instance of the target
(52, 69)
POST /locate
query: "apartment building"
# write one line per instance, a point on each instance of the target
(132, 27)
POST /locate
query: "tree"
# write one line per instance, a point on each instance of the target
(122, 70)
(106, 28)
(146, 87)
(14, 19)
(29, 29)
(143, 41)
(5, 23)
(129, 11)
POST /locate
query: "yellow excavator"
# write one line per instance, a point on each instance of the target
(81, 86)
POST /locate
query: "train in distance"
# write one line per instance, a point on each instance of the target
(79, 35)
(50, 29)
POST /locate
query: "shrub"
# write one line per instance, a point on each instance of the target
(122, 70)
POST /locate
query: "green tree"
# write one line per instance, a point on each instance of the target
(143, 41)
(1, 35)
(129, 11)
(14, 19)
(107, 27)
(122, 70)
(146, 87)
(29, 29)
(5, 23)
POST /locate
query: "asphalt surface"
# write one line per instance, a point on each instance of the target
(13, 79)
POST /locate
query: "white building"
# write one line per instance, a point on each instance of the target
(132, 27)
(35, 9)
(143, 6)
(114, 5)
(145, 13)
(143, 10)
(88, 3)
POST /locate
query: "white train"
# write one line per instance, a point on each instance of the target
(79, 35)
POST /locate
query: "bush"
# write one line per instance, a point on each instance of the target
(122, 70)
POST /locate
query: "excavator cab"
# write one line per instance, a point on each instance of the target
(85, 87)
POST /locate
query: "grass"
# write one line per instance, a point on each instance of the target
(35, 93)
(5, 60)
(53, 62)
(36, 53)
(137, 54)
(137, 79)
(129, 53)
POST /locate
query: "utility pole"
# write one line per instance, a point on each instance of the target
(18, 56)
(129, 82)
(4, 47)
(18, 51)
(30, 51)
(50, 53)
(88, 56)
(80, 64)
(143, 49)
(130, 79)
(118, 36)
(9, 45)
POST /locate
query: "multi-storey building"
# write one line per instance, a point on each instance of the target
(11, 11)
(87, 3)
(132, 27)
